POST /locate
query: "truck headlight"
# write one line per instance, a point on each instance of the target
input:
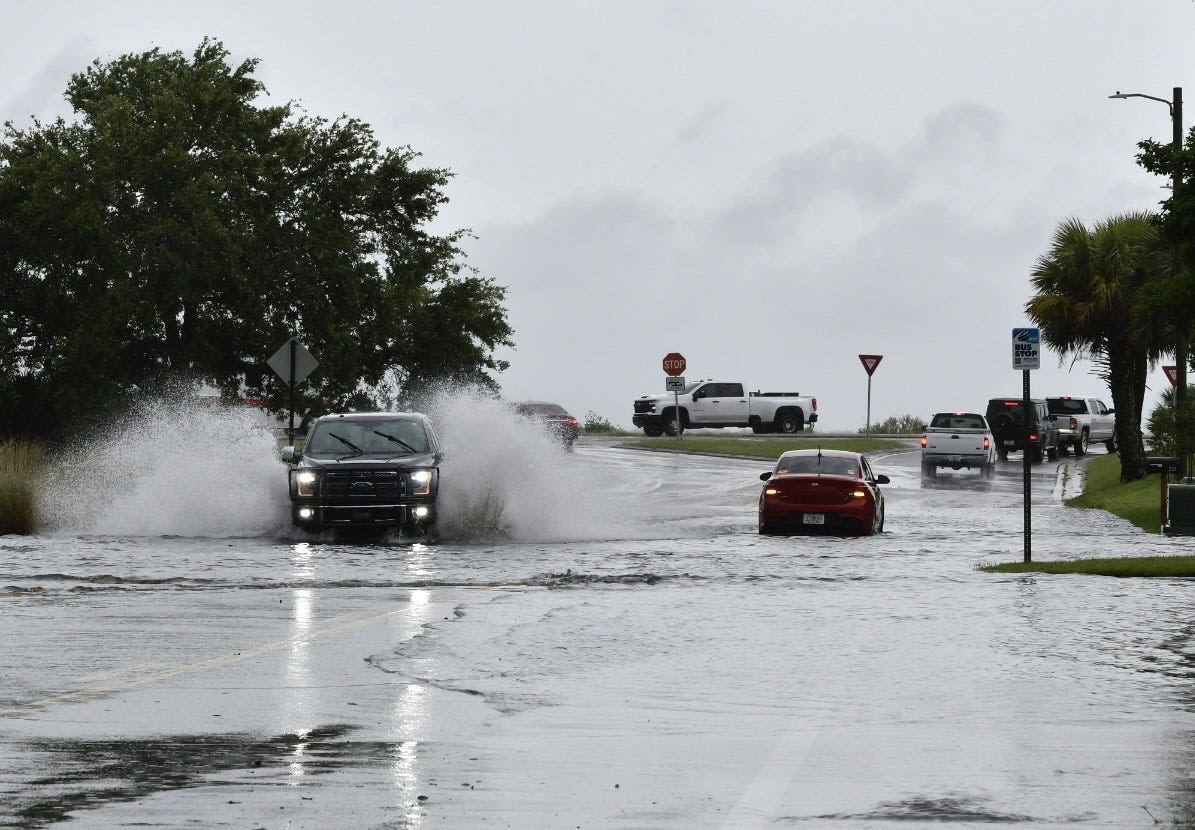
(419, 482)
(304, 482)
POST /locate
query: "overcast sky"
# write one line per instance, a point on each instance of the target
(770, 189)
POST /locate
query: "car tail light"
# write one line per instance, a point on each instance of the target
(1032, 437)
(815, 404)
(572, 422)
(924, 442)
(987, 442)
(1074, 422)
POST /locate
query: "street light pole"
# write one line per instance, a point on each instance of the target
(1175, 105)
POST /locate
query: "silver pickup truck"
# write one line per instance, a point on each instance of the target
(957, 440)
(1082, 421)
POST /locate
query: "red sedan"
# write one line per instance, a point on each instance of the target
(825, 491)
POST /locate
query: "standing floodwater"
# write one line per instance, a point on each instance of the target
(610, 644)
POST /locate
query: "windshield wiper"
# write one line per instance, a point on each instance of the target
(357, 450)
(398, 441)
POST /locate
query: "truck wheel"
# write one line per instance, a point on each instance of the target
(1110, 444)
(790, 422)
(1081, 444)
(761, 429)
(653, 430)
(673, 425)
(1037, 455)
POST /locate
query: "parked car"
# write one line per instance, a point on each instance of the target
(828, 491)
(1007, 420)
(957, 440)
(366, 470)
(552, 417)
(1082, 421)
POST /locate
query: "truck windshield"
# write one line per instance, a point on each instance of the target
(389, 438)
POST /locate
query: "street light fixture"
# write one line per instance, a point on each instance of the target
(1175, 106)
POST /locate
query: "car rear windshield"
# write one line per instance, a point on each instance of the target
(814, 464)
(954, 420)
(400, 436)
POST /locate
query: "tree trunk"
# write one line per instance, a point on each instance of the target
(1126, 380)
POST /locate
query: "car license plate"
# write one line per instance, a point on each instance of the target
(1010, 443)
(814, 518)
(954, 458)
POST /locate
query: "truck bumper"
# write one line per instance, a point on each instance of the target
(954, 461)
(411, 513)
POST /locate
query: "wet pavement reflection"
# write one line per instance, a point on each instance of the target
(664, 666)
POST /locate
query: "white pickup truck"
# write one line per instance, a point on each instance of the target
(1082, 421)
(957, 440)
(717, 404)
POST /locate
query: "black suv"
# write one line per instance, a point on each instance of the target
(1006, 418)
(366, 470)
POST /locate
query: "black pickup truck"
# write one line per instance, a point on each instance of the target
(366, 470)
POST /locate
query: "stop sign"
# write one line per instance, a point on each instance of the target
(674, 364)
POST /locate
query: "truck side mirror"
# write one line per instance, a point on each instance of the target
(765, 476)
(288, 455)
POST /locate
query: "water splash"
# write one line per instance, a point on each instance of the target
(503, 476)
(187, 469)
(171, 468)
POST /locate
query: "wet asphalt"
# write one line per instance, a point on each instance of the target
(614, 646)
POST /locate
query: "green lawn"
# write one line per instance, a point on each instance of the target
(1137, 501)
(769, 448)
(1171, 566)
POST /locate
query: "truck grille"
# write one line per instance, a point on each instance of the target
(362, 485)
(644, 406)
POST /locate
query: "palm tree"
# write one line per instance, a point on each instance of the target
(1096, 299)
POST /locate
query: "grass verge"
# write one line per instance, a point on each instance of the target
(1135, 501)
(21, 464)
(1172, 566)
(769, 448)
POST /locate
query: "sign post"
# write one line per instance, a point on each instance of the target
(292, 362)
(674, 367)
(1026, 356)
(870, 362)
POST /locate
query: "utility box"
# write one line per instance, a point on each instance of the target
(1180, 512)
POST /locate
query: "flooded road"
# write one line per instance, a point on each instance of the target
(620, 650)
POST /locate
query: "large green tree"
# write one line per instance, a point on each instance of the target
(177, 227)
(1095, 298)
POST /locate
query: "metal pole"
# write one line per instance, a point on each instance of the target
(291, 431)
(867, 430)
(1180, 341)
(1026, 462)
